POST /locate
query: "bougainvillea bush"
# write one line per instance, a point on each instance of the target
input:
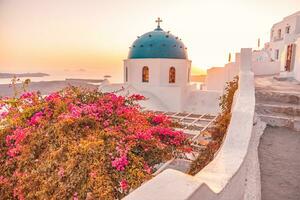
(80, 144)
(219, 128)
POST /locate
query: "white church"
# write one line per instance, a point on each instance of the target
(158, 67)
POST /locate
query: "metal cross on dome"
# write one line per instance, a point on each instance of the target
(158, 22)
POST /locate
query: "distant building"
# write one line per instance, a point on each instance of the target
(158, 68)
(280, 56)
(284, 45)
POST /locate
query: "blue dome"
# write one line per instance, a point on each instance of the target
(158, 44)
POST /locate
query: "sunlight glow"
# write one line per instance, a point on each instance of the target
(95, 34)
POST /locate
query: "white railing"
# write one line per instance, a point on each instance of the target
(226, 176)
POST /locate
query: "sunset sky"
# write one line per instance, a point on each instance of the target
(95, 35)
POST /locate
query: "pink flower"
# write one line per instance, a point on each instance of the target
(36, 118)
(123, 184)
(18, 194)
(75, 111)
(75, 196)
(27, 95)
(147, 168)
(146, 135)
(53, 97)
(12, 152)
(120, 163)
(61, 172)
(137, 97)
(106, 123)
(93, 174)
(168, 136)
(158, 119)
(14, 140)
(3, 180)
(3, 115)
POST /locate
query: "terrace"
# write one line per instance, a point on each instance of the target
(195, 126)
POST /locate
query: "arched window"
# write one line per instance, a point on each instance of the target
(172, 75)
(145, 74)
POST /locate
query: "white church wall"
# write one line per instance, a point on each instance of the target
(173, 95)
(181, 75)
(231, 172)
(158, 71)
(135, 67)
(170, 96)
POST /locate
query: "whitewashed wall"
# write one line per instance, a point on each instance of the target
(158, 71)
(266, 68)
(293, 21)
(227, 176)
(218, 76)
(198, 101)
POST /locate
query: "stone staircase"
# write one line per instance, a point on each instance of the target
(278, 108)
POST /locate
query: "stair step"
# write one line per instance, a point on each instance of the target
(278, 96)
(287, 109)
(281, 121)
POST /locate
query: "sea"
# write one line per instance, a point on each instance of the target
(67, 75)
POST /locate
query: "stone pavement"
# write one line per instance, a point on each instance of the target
(278, 104)
(279, 156)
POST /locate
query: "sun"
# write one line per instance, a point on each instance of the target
(197, 70)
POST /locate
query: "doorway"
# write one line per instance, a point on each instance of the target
(289, 57)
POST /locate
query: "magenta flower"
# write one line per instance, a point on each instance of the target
(61, 172)
(124, 184)
(158, 119)
(75, 196)
(120, 163)
(93, 174)
(36, 118)
(137, 97)
(14, 140)
(27, 95)
(53, 97)
(3, 115)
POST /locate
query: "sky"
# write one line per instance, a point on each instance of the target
(95, 35)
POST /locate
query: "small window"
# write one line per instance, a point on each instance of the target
(145, 74)
(279, 33)
(277, 54)
(172, 75)
(126, 74)
(287, 29)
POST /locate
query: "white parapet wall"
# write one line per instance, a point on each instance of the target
(228, 175)
(266, 68)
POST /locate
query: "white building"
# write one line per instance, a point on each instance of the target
(279, 56)
(158, 68)
(284, 45)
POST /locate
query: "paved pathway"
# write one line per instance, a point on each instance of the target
(279, 155)
(277, 103)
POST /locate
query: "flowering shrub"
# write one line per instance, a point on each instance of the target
(218, 130)
(79, 144)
